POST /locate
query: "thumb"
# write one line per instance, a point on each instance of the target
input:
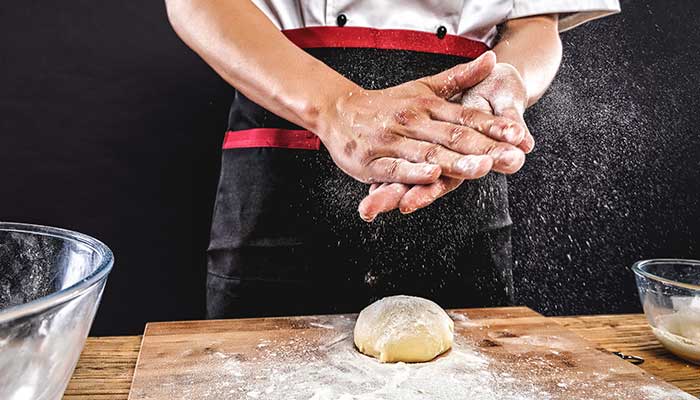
(455, 80)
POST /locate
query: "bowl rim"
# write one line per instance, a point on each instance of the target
(66, 294)
(637, 269)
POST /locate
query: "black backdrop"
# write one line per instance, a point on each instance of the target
(112, 127)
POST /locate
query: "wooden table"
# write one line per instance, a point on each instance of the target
(107, 364)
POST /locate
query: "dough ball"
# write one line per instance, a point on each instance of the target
(403, 328)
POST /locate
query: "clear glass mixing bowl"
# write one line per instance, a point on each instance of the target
(670, 294)
(51, 281)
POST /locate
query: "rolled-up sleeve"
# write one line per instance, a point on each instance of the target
(572, 13)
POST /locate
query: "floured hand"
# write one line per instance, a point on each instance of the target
(412, 134)
(503, 94)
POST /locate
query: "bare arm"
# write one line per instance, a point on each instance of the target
(367, 132)
(245, 48)
(532, 45)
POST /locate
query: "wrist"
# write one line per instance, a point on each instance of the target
(510, 68)
(323, 114)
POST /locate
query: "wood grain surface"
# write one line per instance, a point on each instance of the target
(630, 334)
(498, 353)
(107, 364)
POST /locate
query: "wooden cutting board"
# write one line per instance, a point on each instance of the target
(499, 354)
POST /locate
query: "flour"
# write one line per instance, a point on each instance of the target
(322, 364)
(458, 317)
(657, 393)
(345, 374)
(679, 332)
(317, 325)
(679, 345)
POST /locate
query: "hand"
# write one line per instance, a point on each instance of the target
(412, 134)
(504, 91)
(504, 94)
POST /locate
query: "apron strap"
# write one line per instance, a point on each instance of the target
(386, 39)
(271, 137)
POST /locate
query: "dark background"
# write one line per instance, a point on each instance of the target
(112, 127)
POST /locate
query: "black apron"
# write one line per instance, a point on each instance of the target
(286, 238)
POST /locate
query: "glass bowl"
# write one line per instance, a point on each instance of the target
(670, 293)
(51, 281)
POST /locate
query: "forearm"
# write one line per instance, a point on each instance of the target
(241, 44)
(533, 47)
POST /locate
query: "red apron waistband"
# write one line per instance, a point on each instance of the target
(387, 39)
(271, 137)
(349, 37)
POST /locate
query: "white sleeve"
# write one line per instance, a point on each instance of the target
(572, 13)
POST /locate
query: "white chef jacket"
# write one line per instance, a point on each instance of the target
(472, 19)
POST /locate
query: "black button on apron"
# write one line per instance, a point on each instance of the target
(341, 20)
(441, 32)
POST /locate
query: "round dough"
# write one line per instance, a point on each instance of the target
(403, 328)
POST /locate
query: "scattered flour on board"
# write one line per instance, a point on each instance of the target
(345, 374)
(458, 317)
(319, 325)
(322, 364)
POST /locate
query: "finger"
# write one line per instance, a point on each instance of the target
(452, 163)
(499, 128)
(528, 142)
(387, 169)
(385, 198)
(421, 196)
(507, 158)
(460, 78)
(375, 186)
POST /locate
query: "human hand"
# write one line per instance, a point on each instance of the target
(504, 94)
(412, 134)
(504, 91)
